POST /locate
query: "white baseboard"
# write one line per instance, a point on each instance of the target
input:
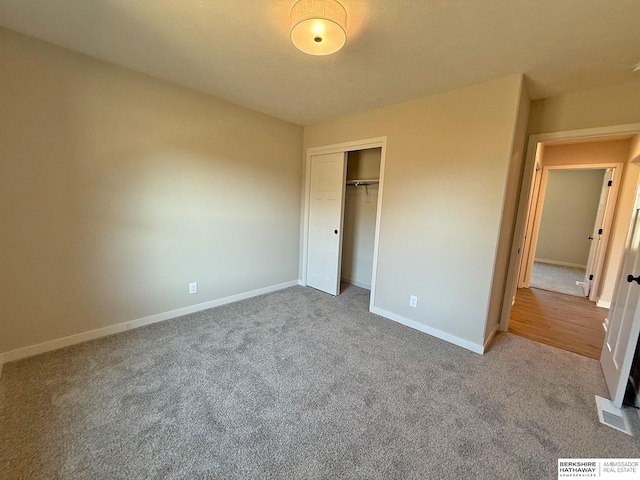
(562, 264)
(474, 347)
(603, 304)
(140, 322)
(366, 286)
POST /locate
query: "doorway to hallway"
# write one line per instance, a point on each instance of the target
(564, 321)
(558, 278)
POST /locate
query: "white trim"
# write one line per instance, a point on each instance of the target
(598, 132)
(376, 235)
(490, 338)
(447, 337)
(377, 142)
(140, 322)
(527, 209)
(603, 304)
(366, 286)
(557, 262)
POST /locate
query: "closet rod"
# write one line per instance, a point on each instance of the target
(358, 183)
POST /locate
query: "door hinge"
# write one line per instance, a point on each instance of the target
(590, 277)
(610, 183)
(600, 232)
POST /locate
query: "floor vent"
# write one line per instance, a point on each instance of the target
(612, 416)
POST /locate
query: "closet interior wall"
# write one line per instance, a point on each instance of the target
(360, 217)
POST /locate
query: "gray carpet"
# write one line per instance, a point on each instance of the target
(558, 278)
(298, 384)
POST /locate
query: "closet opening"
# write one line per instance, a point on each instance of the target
(344, 185)
(360, 212)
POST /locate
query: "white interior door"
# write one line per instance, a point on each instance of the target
(326, 212)
(596, 236)
(623, 324)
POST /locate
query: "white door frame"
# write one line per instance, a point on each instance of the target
(618, 169)
(378, 142)
(535, 142)
(525, 243)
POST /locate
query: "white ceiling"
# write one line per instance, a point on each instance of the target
(239, 50)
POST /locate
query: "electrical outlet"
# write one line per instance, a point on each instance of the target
(193, 288)
(413, 301)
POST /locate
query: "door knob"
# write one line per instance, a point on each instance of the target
(631, 278)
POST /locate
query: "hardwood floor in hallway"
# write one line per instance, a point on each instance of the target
(564, 321)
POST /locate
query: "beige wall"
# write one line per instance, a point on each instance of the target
(117, 190)
(568, 216)
(364, 164)
(591, 152)
(360, 217)
(615, 105)
(504, 283)
(443, 200)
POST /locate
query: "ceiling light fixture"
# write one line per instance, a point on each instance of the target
(318, 27)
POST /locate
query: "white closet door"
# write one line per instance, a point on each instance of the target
(326, 211)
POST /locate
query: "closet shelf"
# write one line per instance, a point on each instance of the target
(357, 183)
